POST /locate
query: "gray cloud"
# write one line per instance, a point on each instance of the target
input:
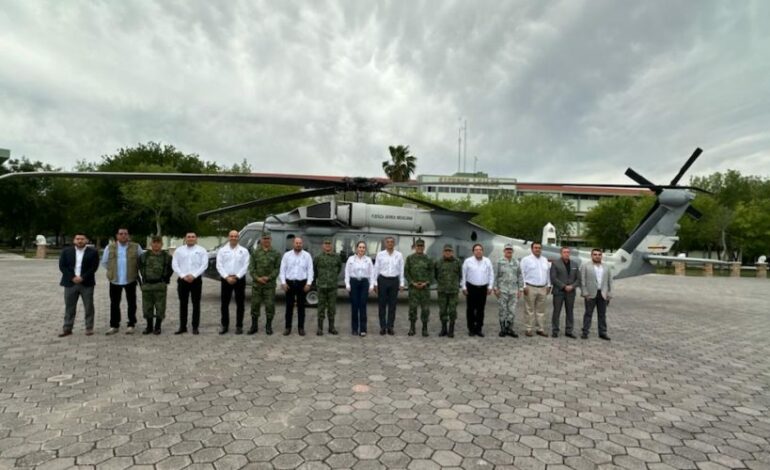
(553, 91)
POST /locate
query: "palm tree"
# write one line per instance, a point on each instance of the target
(401, 164)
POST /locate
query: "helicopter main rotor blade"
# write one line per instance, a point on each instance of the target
(340, 182)
(270, 200)
(687, 165)
(416, 200)
(642, 180)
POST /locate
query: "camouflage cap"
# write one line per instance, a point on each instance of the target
(327, 240)
(266, 234)
(419, 242)
(448, 247)
(508, 246)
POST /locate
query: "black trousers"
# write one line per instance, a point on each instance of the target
(359, 292)
(240, 294)
(475, 304)
(116, 293)
(186, 290)
(568, 300)
(387, 298)
(600, 304)
(296, 294)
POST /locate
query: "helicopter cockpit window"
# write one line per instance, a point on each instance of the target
(248, 238)
(345, 247)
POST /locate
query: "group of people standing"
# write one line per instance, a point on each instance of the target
(533, 278)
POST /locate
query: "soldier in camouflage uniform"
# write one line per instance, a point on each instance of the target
(509, 285)
(448, 274)
(326, 266)
(264, 265)
(419, 272)
(154, 274)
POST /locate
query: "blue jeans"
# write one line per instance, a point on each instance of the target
(359, 293)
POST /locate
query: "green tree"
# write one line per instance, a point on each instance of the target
(148, 206)
(401, 164)
(608, 223)
(525, 216)
(752, 228)
(29, 206)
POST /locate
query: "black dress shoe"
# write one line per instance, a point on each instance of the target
(513, 334)
(287, 331)
(604, 337)
(301, 331)
(391, 332)
(195, 331)
(479, 334)
(238, 330)
(222, 330)
(65, 333)
(180, 331)
(570, 335)
(554, 335)
(382, 331)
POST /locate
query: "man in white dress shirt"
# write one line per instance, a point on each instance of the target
(189, 263)
(536, 271)
(296, 276)
(477, 283)
(232, 264)
(388, 281)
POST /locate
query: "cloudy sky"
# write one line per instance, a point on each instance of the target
(552, 91)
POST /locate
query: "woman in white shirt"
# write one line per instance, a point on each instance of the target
(359, 281)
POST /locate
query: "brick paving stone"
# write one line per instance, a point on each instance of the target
(674, 389)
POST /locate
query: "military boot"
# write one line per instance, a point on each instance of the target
(443, 328)
(451, 332)
(254, 326)
(148, 330)
(412, 327)
(269, 327)
(332, 330)
(157, 326)
(503, 330)
(424, 329)
(320, 330)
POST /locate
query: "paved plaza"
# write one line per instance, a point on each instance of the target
(684, 383)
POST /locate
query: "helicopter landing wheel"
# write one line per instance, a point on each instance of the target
(311, 298)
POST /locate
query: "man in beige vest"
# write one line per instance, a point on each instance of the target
(121, 260)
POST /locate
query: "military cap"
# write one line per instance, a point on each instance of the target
(327, 240)
(156, 238)
(266, 234)
(448, 247)
(419, 242)
(508, 246)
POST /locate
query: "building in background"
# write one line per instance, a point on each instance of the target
(479, 187)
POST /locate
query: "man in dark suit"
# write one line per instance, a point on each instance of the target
(565, 278)
(78, 265)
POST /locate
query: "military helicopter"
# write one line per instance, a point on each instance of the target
(348, 222)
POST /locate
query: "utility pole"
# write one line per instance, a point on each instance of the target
(475, 161)
(465, 144)
(459, 143)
